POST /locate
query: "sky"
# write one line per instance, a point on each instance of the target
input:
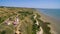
(31, 3)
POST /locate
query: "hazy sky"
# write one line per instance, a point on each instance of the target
(31, 3)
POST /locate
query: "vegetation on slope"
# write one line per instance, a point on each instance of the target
(26, 18)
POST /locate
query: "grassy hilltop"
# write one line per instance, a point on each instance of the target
(14, 20)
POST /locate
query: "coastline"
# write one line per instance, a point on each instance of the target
(52, 22)
(46, 18)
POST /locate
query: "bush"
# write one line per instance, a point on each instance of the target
(3, 32)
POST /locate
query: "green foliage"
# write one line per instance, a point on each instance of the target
(32, 18)
(25, 13)
(21, 17)
(2, 19)
(3, 32)
(35, 28)
(1, 6)
(38, 16)
(22, 14)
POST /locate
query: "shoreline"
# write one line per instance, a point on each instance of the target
(53, 22)
(46, 18)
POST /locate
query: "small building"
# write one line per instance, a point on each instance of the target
(16, 21)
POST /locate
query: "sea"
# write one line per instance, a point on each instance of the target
(51, 12)
(54, 13)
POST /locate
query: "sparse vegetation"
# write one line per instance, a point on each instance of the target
(26, 18)
(45, 26)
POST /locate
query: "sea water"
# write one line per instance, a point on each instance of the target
(51, 12)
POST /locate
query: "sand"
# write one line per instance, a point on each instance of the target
(41, 31)
(52, 21)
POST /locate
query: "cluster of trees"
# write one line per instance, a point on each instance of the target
(35, 27)
(1, 6)
(25, 13)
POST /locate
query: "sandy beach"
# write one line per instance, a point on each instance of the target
(52, 21)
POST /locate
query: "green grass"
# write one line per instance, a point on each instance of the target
(2, 19)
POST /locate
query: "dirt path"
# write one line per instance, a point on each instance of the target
(18, 26)
(39, 32)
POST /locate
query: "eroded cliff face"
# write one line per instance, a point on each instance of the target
(21, 21)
